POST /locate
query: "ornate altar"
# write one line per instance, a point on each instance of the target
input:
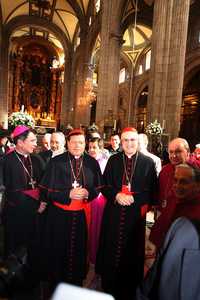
(36, 84)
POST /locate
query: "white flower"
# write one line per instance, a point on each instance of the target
(154, 128)
(21, 118)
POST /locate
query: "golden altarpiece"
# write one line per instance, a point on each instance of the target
(36, 81)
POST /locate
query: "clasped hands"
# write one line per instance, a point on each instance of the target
(42, 207)
(124, 199)
(78, 193)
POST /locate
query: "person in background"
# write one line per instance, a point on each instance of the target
(179, 152)
(186, 188)
(114, 146)
(195, 156)
(57, 146)
(104, 151)
(197, 152)
(4, 142)
(96, 134)
(130, 185)
(97, 205)
(46, 141)
(71, 181)
(143, 144)
(177, 239)
(57, 143)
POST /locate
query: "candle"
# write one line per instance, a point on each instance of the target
(115, 125)
(163, 124)
(22, 108)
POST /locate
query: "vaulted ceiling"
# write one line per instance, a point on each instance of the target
(73, 16)
(67, 15)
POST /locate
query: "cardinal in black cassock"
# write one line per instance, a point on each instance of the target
(71, 181)
(130, 186)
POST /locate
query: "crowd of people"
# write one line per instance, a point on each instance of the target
(76, 203)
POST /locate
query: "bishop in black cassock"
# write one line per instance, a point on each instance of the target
(21, 174)
(130, 185)
(71, 181)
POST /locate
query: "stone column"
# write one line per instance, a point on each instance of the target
(4, 80)
(82, 105)
(66, 105)
(109, 64)
(167, 62)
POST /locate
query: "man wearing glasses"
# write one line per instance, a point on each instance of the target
(130, 186)
(179, 153)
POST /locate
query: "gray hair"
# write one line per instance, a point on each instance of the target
(181, 141)
(62, 136)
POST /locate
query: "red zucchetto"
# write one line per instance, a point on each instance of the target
(126, 129)
(75, 131)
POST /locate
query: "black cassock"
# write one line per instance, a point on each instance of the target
(120, 258)
(65, 231)
(20, 210)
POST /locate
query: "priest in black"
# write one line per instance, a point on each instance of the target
(71, 181)
(21, 174)
(130, 188)
(57, 146)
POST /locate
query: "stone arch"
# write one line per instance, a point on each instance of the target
(192, 66)
(191, 99)
(35, 21)
(140, 86)
(19, 22)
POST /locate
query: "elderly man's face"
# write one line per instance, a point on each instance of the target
(129, 142)
(177, 153)
(185, 186)
(57, 142)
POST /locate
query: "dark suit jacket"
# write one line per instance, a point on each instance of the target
(46, 155)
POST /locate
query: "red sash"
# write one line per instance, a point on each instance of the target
(126, 191)
(144, 208)
(33, 193)
(76, 205)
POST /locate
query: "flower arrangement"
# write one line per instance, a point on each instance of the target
(20, 118)
(154, 128)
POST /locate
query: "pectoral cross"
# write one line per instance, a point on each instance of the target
(32, 183)
(75, 184)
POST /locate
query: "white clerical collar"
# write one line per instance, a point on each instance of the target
(130, 155)
(77, 157)
(25, 155)
(55, 153)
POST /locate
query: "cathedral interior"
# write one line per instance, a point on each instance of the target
(113, 63)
